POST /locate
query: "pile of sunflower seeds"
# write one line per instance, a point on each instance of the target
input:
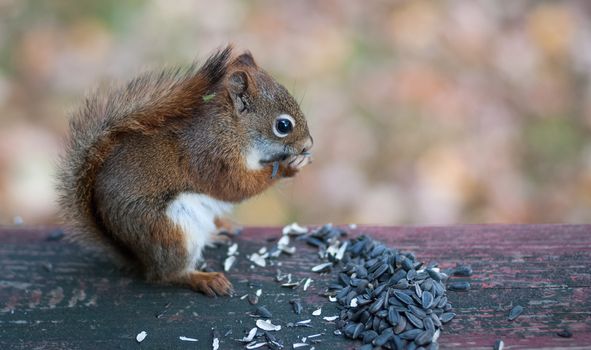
(387, 298)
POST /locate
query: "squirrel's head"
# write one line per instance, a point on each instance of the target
(274, 124)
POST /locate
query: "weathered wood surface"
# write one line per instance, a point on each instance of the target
(53, 295)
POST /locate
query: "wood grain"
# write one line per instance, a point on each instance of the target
(53, 295)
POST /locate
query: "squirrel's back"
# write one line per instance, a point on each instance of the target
(141, 107)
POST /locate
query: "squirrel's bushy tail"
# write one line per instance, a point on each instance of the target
(142, 106)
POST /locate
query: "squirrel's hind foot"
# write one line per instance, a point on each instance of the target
(208, 283)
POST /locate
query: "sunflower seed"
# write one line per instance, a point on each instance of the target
(459, 286)
(446, 317)
(411, 334)
(263, 312)
(462, 270)
(297, 306)
(427, 299)
(565, 333)
(403, 297)
(424, 338)
(414, 319)
(499, 345)
(515, 312)
(384, 337)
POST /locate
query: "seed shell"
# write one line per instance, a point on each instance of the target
(515, 312)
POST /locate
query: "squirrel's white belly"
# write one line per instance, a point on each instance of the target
(195, 214)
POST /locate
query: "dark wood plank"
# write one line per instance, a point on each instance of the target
(54, 295)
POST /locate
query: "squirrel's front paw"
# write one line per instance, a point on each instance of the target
(298, 162)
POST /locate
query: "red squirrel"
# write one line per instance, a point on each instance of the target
(151, 167)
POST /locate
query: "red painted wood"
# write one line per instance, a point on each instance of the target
(82, 299)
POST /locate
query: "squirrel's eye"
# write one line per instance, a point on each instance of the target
(283, 125)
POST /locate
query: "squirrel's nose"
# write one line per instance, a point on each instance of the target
(309, 143)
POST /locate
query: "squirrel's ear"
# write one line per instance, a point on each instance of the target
(246, 59)
(238, 87)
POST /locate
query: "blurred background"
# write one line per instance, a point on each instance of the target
(423, 112)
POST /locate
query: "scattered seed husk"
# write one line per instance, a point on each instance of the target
(188, 339)
(250, 336)
(215, 344)
(256, 345)
(253, 299)
(296, 306)
(266, 325)
(233, 249)
(322, 267)
(304, 321)
(317, 312)
(259, 292)
(515, 312)
(307, 283)
(294, 229)
(141, 336)
(565, 333)
(499, 345)
(330, 318)
(229, 262)
(300, 345)
(258, 260)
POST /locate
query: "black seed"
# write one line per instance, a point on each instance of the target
(296, 306)
(378, 290)
(397, 343)
(441, 303)
(403, 297)
(411, 274)
(344, 279)
(406, 264)
(411, 334)
(424, 338)
(565, 333)
(375, 325)
(414, 319)
(433, 346)
(366, 347)
(427, 299)
(418, 290)
(401, 325)
(434, 275)
(459, 286)
(397, 276)
(368, 336)
(382, 313)
(384, 337)
(446, 317)
(377, 305)
(515, 312)
(253, 299)
(263, 312)
(315, 242)
(380, 271)
(436, 320)
(447, 307)
(411, 346)
(429, 324)
(462, 270)
(392, 316)
(417, 311)
(427, 284)
(402, 284)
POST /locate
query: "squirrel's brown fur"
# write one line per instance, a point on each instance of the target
(133, 150)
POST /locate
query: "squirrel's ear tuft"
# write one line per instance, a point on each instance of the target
(246, 59)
